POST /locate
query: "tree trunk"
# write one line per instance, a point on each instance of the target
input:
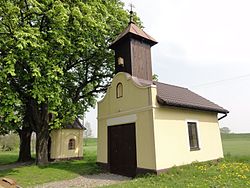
(39, 120)
(24, 147)
(42, 147)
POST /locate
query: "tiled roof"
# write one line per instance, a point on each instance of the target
(182, 97)
(76, 125)
(135, 30)
(176, 96)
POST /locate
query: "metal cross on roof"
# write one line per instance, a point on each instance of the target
(131, 12)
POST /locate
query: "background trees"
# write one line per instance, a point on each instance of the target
(87, 132)
(9, 142)
(225, 130)
(53, 61)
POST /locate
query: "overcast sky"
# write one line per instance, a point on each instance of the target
(203, 45)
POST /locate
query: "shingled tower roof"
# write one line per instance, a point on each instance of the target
(134, 30)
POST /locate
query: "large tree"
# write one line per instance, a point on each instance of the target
(54, 60)
(12, 119)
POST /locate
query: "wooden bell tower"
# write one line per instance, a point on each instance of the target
(133, 52)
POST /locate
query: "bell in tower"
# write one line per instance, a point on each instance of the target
(133, 52)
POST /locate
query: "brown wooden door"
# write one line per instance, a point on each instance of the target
(122, 149)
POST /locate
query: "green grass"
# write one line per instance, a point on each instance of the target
(90, 144)
(8, 157)
(201, 175)
(236, 144)
(32, 175)
(90, 141)
(233, 171)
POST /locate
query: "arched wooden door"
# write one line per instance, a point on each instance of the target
(122, 149)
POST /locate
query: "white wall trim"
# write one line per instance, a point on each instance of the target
(122, 120)
(198, 132)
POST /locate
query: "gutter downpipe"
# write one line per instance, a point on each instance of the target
(225, 115)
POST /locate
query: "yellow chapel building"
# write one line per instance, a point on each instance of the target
(67, 143)
(148, 126)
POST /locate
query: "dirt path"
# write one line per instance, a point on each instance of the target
(87, 181)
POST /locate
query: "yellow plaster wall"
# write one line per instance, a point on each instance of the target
(136, 102)
(145, 143)
(134, 97)
(59, 143)
(102, 141)
(172, 141)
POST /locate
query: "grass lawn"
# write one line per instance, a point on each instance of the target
(233, 171)
(8, 157)
(33, 175)
(236, 144)
(208, 174)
